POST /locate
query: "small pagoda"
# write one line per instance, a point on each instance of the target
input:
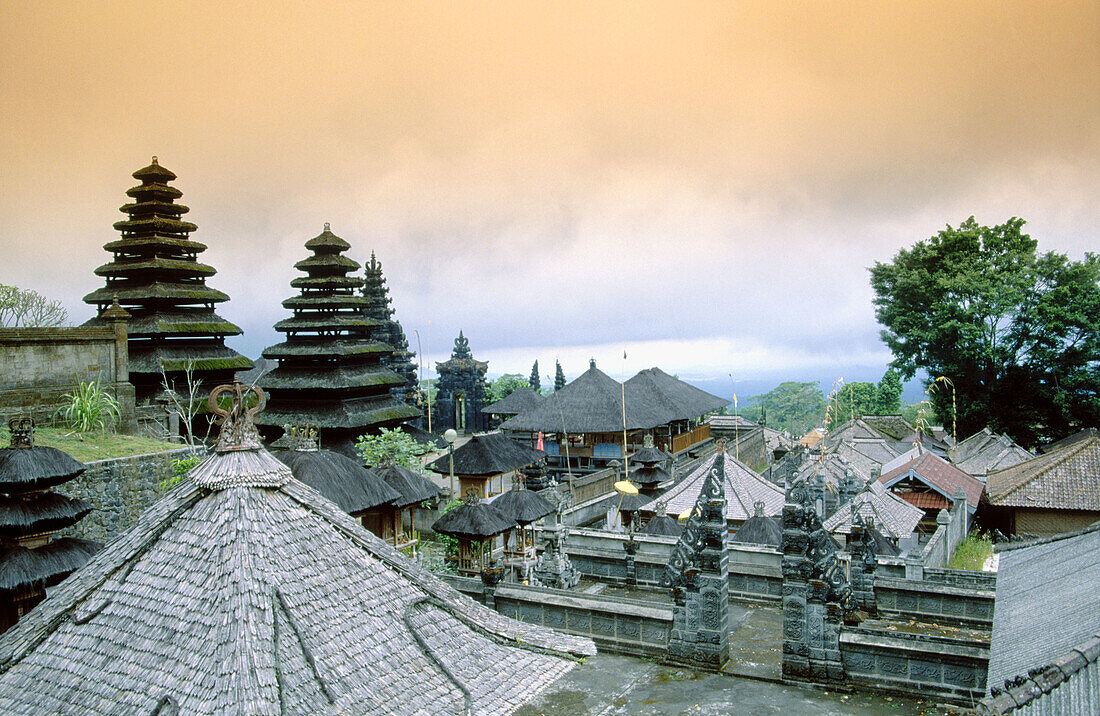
(30, 559)
(462, 390)
(331, 372)
(380, 308)
(156, 276)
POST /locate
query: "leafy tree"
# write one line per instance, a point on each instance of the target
(393, 445)
(559, 376)
(533, 380)
(852, 400)
(24, 308)
(791, 406)
(504, 386)
(1016, 332)
(888, 393)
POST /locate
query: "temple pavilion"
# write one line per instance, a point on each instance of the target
(156, 276)
(245, 591)
(462, 390)
(331, 371)
(379, 307)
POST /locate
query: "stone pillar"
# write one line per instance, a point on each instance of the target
(631, 548)
(816, 594)
(863, 566)
(698, 577)
(125, 393)
(491, 575)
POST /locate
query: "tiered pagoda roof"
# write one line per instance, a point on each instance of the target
(155, 274)
(380, 307)
(30, 559)
(331, 372)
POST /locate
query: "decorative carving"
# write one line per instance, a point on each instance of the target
(238, 431)
(22, 432)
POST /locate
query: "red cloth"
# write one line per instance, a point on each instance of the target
(539, 445)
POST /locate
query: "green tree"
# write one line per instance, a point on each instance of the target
(853, 400)
(534, 380)
(791, 406)
(504, 386)
(888, 393)
(393, 445)
(559, 376)
(1017, 332)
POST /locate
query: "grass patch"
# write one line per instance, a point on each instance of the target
(972, 553)
(87, 447)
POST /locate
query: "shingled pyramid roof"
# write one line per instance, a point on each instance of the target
(245, 591)
(743, 489)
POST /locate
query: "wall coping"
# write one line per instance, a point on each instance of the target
(916, 643)
(62, 334)
(908, 585)
(178, 451)
(595, 602)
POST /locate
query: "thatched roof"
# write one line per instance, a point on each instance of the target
(649, 455)
(592, 403)
(39, 512)
(412, 487)
(518, 401)
(36, 468)
(662, 525)
(760, 529)
(680, 400)
(22, 568)
(523, 506)
(340, 479)
(649, 476)
(487, 454)
(743, 488)
(249, 592)
(473, 520)
(431, 440)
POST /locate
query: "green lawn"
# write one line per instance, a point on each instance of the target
(972, 553)
(87, 447)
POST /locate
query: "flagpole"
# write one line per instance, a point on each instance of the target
(622, 385)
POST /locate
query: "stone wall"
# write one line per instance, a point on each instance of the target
(621, 626)
(930, 666)
(968, 604)
(41, 365)
(119, 490)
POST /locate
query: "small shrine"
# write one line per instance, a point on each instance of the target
(30, 516)
(462, 390)
(331, 370)
(156, 276)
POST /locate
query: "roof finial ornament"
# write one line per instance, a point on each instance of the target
(22, 432)
(720, 443)
(238, 429)
(305, 437)
(758, 508)
(473, 496)
(326, 226)
(155, 160)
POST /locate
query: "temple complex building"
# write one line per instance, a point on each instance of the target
(462, 390)
(156, 276)
(331, 372)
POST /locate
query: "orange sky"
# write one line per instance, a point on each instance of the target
(607, 167)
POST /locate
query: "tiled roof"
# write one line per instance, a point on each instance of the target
(1066, 479)
(1047, 605)
(925, 500)
(940, 475)
(852, 430)
(743, 488)
(893, 516)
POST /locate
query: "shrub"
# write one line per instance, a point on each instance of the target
(90, 408)
(180, 468)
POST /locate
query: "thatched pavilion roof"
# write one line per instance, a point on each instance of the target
(663, 525)
(412, 487)
(523, 506)
(487, 454)
(760, 529)
(680, 400)
(245, 591)
(473, 520)
(339, 478)
(592, 403)
(516, 402)
(743, 488)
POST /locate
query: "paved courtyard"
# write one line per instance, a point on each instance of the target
(610, 685)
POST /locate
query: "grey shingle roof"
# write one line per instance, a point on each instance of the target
(743, 488)
(985, 451)
(893, 427)
(892, 515)
(252, 593)
(1066, 479)
(1047, 603)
